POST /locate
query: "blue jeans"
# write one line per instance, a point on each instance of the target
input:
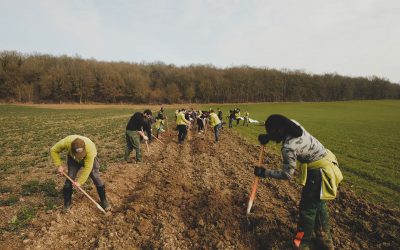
(216, 131)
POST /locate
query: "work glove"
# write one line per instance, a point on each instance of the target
(263, 139)
(259, 172)
(145, 138)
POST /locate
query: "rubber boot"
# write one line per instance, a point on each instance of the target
(126, 156)
(67, 192)
(324, 242)
(322, 229)
(103, 199)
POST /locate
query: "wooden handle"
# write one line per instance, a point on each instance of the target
(87, 195)
(157, 139)
(255, 182)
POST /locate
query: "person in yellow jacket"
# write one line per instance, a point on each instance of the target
(215, 122)
(237, 116)
(319, 174)
(182, 125)
(246, 119)
(159, 124)
(81, 154)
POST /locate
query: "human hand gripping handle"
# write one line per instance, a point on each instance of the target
(77, 185)
(62, 169)
(259, 172)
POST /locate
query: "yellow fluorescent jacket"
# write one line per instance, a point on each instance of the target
(331, 175)
(65, 144)
(214, 120)
(180, 119)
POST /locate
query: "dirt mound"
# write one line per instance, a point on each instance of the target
(193, 196)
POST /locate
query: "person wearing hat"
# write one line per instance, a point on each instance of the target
(82, 154)
(319, 174)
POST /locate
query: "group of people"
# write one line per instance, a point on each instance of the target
(234, 115)
(82, 154)
(318, 167)
(186, 119)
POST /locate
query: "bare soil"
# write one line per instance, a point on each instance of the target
(194, 196)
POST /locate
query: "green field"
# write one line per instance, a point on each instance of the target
(362, 135)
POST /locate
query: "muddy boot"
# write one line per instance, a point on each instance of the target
(322, 229)
(323, 241)
(67, 191)
(103, 199)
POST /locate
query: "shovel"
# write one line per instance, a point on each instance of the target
(83, 191)
(255, 182)
(157, 139)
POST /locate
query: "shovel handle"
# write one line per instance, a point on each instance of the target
(87, 195)
(255, 182)
(157, 139)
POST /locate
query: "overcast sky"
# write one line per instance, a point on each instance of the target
(348, 37)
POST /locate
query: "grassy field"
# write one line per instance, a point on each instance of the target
(361, 134)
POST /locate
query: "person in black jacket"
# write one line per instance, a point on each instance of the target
(148, 122)
(133, 135)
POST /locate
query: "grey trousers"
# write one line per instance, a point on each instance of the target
(73, 168)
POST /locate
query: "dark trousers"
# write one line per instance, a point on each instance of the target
(73, 168)
(313, 211)
(216, 131)
(182, 131)
(200, 124)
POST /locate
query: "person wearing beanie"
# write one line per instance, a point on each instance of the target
(82, 154)
(319, 174)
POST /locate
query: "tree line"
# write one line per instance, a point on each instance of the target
(47, 78)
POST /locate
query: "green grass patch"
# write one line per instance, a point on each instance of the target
(48, 188)
(5, 189)
(9, 201)
(22, 218)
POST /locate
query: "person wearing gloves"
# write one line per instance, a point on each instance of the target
(133, 134)
(319, 174)
(82, 153)
(215, 122)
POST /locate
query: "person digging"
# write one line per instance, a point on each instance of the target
(319, 174)
(81, 154)
(133, 135)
